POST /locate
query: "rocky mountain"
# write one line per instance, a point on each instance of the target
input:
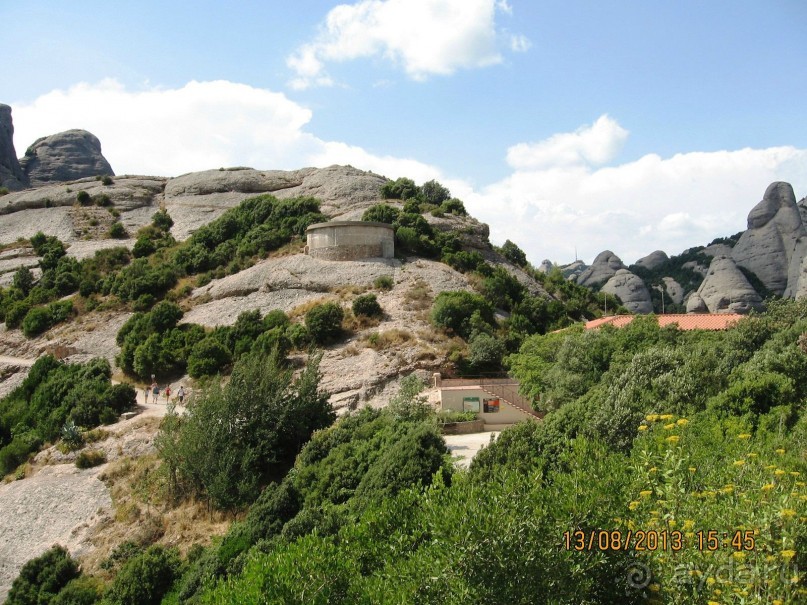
(66, 156)
(11, 175)
(733, 274)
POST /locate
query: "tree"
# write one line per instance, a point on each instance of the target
(324, 322)
(23, 279)
(237, 438)
(434, 193)
(42, 578)
(514, 254)
(458, 312)
(381, 213)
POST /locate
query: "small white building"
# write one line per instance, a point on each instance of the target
(496, 400)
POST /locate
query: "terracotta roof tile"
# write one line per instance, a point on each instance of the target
(689, 321)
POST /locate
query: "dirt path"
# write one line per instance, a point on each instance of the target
(16, 361)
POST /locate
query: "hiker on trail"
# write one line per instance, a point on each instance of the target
(155, 390)
(146, 394)
(181, 394)
(167, 393)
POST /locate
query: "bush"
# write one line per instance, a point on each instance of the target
(42, 578)
(83, 198)
(208, 357)
(146, 578)
(16, 313)
(36, 321)
(90, 458)
(400, 189)
(324, 322)
(162, 220)
(514, 254)
(118, 231)
(367, 305)
(385, 282)
(434, 193)
(460, 312)
(106, 180)
(454, 206)
(381, 213)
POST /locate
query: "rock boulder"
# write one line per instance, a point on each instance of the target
(653, 260)
(11, 175)
(768, 246)
(601, 270)
(631, 290)
(62, 157)
(726, 290)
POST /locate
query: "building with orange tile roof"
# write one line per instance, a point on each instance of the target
(688, 321)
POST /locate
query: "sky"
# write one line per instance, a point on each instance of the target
(570, 127)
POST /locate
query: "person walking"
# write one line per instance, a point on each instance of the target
(167, 394)
(146, 390)
(181, 394)
(155, 391)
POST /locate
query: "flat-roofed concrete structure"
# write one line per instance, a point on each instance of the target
(350, 240)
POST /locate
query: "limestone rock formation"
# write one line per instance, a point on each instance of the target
(546, 266)
(674, 290)
(602, 269)
(62, 157)
(726, 289)
(695, 304)
(11, 175)
(768, 246)
(631, 290)
(653, 260)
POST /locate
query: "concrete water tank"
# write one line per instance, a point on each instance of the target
(350, 240)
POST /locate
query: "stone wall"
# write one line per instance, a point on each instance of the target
(350, 240)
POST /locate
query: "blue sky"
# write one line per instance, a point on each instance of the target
(630, 126)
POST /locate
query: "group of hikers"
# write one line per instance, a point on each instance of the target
(155, 391)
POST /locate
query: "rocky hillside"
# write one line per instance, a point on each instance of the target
(732, 274)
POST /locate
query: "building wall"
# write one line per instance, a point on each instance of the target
(350, 240)
(451, 398)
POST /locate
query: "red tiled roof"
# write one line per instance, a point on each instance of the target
(689, 321)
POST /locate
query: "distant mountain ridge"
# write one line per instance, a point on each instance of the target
(730, 275)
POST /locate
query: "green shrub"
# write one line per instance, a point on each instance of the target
(41, 578)
(454, 206)
(23, 280)
(208, 357)
(450, 416)
(399, 189)
(460, 312)
(162, 220)
(3, 191)
(384, 282)
(106, 180)
(79, 591)
(16, 313)
(90, 458)
(118, 231)
(71, 435)
(367, 305)
(83, 198)
(145, 579)
(513, 253)
(324, 322)
(434, 193)
(102, 200)
(36, 321)
(381, 213)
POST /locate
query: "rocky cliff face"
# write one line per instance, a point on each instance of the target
(775, 237)
(601, 270)
(631, 290)
(62, 157)
(11, 175)
(726, 289)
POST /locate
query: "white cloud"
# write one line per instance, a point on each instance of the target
(559, 196)
(594, 144)
(424, 37)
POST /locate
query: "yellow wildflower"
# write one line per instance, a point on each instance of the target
(654, 587)
(777, 602)
(653, 470)
(744, 436)
(672, 439)
(780, 451)
(779, 472)
(645, 493)
(651, 417)
(682, 422)
(669, 426)
(739, 462)
(788, 554)
(692, 469)
(787, 513)
(727, 489)
(795, 473)
(688, 524)
(666, 417)
(710, 581)
(753, 455)
(739, 555)
(633, 505)
(642, 427)
(768, 487)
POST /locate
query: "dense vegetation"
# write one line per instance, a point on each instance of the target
(649, 429)
(52, 396)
